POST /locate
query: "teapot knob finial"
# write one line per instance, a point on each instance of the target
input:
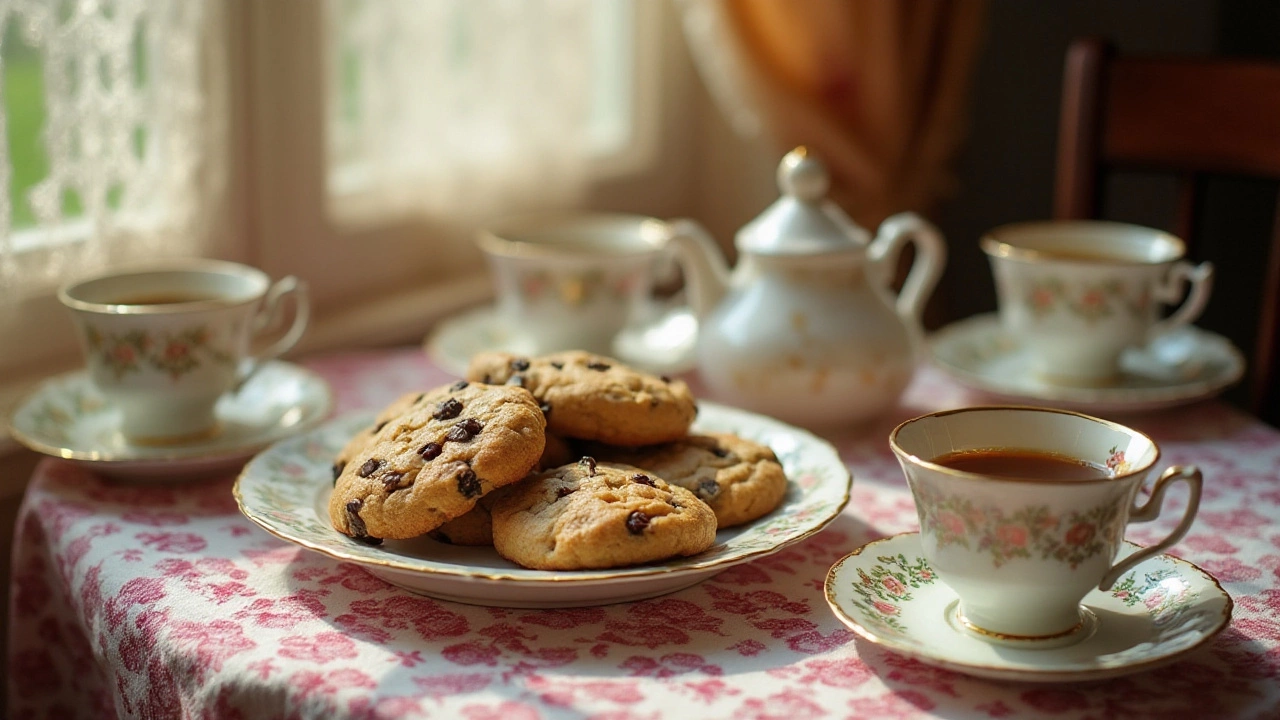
(803, 176)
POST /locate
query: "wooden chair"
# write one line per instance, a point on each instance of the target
(1194, 118)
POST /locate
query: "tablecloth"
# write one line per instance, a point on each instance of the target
(165, 602)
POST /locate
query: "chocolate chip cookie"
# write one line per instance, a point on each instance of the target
(433, 460)
(592, 397)
(598, 515)
(475, 527)
(741, 480)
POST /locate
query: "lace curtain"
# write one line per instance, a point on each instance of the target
(459, 107)
(112, 134)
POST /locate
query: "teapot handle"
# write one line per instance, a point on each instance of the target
(931, 255)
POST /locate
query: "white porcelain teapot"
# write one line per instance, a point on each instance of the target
(806, 328)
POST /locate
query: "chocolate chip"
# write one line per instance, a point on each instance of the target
(562, 491)
(486, 379)
(665, 378)
(448, 409)
(719, 451)
(643, 479)
(637, 522)
(468, 483)
(460, 385)
(588, 463)
(430, 451)
(419, 398)
(391, 481)
(545, 408)
(464, 430)
(337, 470)
(519, 364)
(557, 365)
(595, 365)
(379, 426)
(516, 380)
(369, 467)
(707, 488)
(358, 529)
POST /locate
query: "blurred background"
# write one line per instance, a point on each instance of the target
(358, 144)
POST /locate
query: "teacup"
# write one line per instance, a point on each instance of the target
(1023, 510)
(163, 342)
(573, 280)
(1078, 294)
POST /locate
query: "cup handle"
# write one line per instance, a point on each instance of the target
(931, 254)
(1174, 287)
(269, 315)
(1150, 510)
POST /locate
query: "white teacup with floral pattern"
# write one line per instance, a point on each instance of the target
(574, 280)
(164, 341)
(1021, 553)
(1077, 294)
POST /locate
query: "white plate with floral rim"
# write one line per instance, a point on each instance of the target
(1163, 609)
(286, 490)
(663, 345)
(1186, 365)
(67, 417)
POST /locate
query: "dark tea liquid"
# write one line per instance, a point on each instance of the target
(1022, 464)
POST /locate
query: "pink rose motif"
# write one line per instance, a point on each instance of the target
(1154, 598)
(1093, 298)
(951, 523)
(1115, 460)
(1041, 298)
(884, 607)
(176, 351)
(1122, 594)
(893, 585)
(123, 354)
(1080, 533)
(1013, 535)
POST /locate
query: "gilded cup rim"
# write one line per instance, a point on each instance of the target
(68, 294)
(914, 459)
(998, 243)
(514, 236)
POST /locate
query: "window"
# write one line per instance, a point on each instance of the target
(353, 143)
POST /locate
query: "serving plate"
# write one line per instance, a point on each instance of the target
(286, 489)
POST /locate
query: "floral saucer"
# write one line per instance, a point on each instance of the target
(663, 345)
(66, 417)
(286, 490)
(1160, 611)
(1184, 366)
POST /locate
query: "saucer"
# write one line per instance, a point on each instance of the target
(1186, 365)
(66, 417)
(664, 344)
(1158, 612)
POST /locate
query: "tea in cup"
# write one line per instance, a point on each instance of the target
(1078, 294)
(573, 280)
(164, 342)
(1023, 510)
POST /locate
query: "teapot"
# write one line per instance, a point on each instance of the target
(806, 328)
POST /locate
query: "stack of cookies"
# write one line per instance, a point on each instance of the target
(562, 462)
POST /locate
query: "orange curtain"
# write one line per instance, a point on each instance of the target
(877, 88)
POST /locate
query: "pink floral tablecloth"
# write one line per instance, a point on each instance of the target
(164, 602)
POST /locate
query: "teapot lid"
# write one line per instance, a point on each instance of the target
(803, 221)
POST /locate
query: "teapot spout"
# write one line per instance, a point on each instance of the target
(706, 271)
